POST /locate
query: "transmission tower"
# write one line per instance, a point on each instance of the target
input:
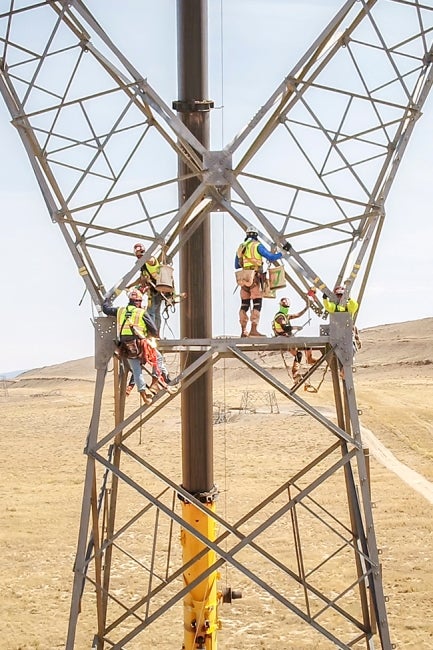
(313, 169)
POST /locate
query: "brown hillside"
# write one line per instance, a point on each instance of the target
(45, 417)
(400, 343)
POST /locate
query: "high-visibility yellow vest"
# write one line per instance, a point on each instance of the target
(277, 326)
(248, 255)
(130, 321)
(351, 306)
(151, 270)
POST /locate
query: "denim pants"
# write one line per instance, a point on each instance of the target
(135, 365)
(154, 309)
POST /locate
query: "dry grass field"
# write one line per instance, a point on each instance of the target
(44, 419)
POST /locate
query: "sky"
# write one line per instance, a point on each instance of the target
(46, 318)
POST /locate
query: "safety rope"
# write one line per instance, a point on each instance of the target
(165, 315)
(323, 377)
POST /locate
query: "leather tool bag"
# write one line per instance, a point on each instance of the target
(245, 277)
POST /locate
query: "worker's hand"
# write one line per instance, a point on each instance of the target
(325, 297)
(287, 246)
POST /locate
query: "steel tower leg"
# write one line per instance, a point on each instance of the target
(345, 136)
(87, 504)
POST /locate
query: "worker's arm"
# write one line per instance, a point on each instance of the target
(352, 306)
(108, 309)
(150, 325)
(300, 313)
(271, 257)
(328, 304)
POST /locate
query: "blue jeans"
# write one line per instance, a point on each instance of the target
(154, 310)
(135, 365)
(161, 364)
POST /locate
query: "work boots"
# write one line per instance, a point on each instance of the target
(146, 396)
(159, 384)
(255, 319)
(155, 386)
(169, 385)
(309, 357)
(254, 331)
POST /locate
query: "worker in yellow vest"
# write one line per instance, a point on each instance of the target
(147, 282)
(133, 324)
(351, 306)
(332, 306)
(249, 256)
(282, 326)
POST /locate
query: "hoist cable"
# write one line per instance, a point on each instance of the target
(223, 302)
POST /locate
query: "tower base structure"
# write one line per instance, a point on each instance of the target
(301, 539)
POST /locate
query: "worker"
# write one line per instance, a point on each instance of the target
(249, 256)
(133, 324)
(282, 326)
(147, 283)
(351, 306)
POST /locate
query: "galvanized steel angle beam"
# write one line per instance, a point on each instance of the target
(145, 412)
(229, 556)
(337, 206)
(357, 31)
(287, 392)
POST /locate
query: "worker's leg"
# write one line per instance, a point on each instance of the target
(309, 356)
(154, 309)
(296, 371)
(135, 365)
(243, 312)
(130, 385)
(256, 294)
(296, 367)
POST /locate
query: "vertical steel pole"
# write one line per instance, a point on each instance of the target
(200, 605)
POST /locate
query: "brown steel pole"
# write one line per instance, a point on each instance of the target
(195, 253)
(200, 604)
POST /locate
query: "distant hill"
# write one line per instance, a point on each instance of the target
(12, 374)
(409, 342)
(76, 369)
(406, 343)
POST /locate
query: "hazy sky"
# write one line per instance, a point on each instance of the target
(251, 50)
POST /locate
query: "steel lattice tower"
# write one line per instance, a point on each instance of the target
(314, 168)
